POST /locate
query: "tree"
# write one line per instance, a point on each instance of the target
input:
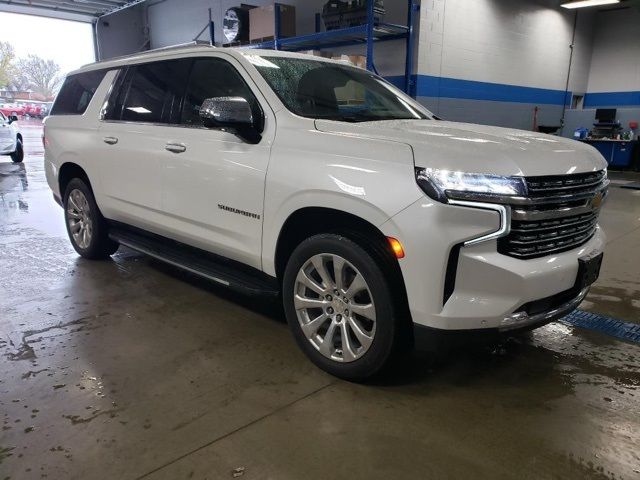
(40, 75)
(7, 54)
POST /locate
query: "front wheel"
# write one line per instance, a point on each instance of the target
(18, 155)
(87, 228)
(339, 307)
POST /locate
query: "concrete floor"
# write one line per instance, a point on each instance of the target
(129, 369)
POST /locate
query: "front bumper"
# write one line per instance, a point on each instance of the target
(428, 339)
(7, 146)
(490, 290)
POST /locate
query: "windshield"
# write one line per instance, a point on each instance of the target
(317, 89)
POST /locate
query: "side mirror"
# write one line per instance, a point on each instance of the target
(13, 118)
(230, 113)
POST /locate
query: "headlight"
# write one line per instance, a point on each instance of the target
(442, 184)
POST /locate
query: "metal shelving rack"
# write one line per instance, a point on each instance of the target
(366, 34)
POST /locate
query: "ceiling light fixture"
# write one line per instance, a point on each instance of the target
(588, 3)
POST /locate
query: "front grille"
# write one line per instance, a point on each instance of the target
(558, 214)
(530, 239)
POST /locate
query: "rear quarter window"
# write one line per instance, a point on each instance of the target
(76, 93)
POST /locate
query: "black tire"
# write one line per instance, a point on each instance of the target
(381, 350)
(99, 246)
(18, 155)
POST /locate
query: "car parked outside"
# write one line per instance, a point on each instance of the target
(32, 109)
(12, 109)
(10, 138)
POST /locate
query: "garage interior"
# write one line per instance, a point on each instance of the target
(133, 369)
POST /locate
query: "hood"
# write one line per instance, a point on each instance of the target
(478, 148)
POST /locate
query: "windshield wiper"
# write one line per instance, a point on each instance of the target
(351, 117)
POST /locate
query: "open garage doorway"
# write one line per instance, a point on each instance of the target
(36, 53)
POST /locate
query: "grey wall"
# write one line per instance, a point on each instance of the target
(614, 74)
(177, 21)
(121, 33)
(615, 65)
(485, 61)
(585, 119)
(180, 21)
(488, 112)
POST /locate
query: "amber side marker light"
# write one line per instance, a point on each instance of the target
(396, 246)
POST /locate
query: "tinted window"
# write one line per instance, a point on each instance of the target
(153, 92)
(76, 93)
(212, 77)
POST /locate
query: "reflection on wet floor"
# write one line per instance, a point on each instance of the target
(15, 174)
(129, 369)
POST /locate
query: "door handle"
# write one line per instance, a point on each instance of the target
(176, 147)
(110, 140)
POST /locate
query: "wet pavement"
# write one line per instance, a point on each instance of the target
(131, 369)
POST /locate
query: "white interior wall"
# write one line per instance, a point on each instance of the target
(496, 61)
(514, 42)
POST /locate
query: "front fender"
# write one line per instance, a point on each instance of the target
(373, 180)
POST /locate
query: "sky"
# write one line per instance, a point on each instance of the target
(69, 44)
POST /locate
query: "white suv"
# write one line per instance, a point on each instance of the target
(381, 227)
(10, 138)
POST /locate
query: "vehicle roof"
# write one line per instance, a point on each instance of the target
(187, 49)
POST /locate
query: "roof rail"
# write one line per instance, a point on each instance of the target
(179, 46)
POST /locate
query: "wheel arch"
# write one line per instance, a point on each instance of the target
(69, 171)
(308, 221)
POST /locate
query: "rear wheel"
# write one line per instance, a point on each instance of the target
(87, 228)
(339, 307)
(18, 155)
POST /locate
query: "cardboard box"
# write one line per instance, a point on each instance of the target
(262, 22)
(318, 53)
(356, 60)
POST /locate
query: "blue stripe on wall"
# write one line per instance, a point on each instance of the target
(430, 86)
(610, 99)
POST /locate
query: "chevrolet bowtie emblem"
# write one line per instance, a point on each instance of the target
(596, 201)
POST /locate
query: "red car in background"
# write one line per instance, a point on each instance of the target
(32, 109)
(12, 109)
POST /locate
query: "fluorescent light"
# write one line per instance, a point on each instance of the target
(138, 109)
(588, 3)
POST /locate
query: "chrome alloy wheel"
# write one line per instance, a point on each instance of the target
(79, 218)
(335, 307)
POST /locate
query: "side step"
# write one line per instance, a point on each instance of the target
(223, 271)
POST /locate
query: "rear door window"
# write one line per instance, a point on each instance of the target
(76, 93)
(152, 92)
